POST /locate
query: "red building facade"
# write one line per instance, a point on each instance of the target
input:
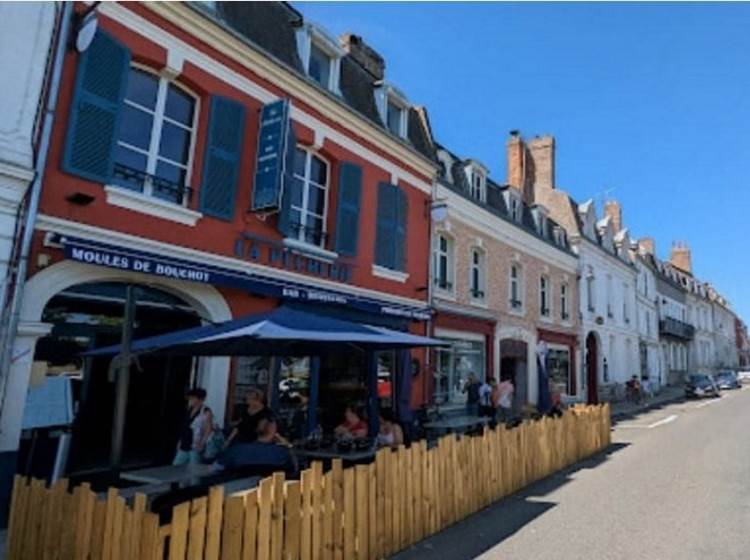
(151, 179)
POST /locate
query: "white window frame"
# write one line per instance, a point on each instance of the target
(448, 284)
(514, 204)
(158, 116)
(610, 312)
(303, 211)
(518, 282)
(590, 292)
(625, 306)
(386, 93)
(480, 267)
(545, 291)
(476, 175)
(564, 301)
(307, 36)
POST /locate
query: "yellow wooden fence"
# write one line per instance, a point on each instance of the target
(362, 512)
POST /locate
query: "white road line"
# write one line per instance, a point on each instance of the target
(712, 401)
(663, 421)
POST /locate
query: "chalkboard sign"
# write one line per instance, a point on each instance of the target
(49, 404)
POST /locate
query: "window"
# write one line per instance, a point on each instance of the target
(544, 296)
(444, 263)
(609, 297)
(319, 68)
(320, 55)
(558, 368)
(308, 198)
(590, 292)
(564, 311)
(516, 297)
(476, 175)
(625, 309)
(515, 209)
(395, 116)
(454, 365)
(155, 145)
(477, 272)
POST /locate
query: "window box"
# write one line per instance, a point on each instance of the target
(565, 316)
(516, 304)
(477, 294)
(443, 285)
(545, 312)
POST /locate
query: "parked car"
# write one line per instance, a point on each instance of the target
(727, 380)
(744, 376)
(698, 386)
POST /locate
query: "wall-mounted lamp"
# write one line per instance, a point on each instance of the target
(85, 25)
(438, 210)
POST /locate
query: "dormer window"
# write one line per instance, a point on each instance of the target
(320, 55)
(513, 203)
(476, 175)
(540, 217)
(560, 238)
(393, 108)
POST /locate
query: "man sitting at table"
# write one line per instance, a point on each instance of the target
(268, 453)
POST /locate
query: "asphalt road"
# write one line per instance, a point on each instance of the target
(675, 484)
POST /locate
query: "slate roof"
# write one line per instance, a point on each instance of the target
(495, 202)
(270, 27)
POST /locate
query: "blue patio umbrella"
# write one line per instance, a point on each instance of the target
(281, 332)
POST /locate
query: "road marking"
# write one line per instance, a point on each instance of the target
(712, 401)
(663, 421)
(656, 424)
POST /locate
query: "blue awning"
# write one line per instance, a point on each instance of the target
(283, 331)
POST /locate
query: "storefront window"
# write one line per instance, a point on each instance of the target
(558, 364)
(251, 372)
(453, 367)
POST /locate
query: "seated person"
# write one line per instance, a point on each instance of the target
(390, 433)
(353, 426)
(269, 452)
(256, 412)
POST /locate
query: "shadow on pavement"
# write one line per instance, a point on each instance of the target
(485, 529)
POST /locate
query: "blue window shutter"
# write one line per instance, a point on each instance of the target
(402, 212)
(347, 214)
(226, 126)
(101, 82)
(385, 235)
(286, 225)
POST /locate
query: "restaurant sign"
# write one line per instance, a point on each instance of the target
(122, 258)
(275, 148)
(273, 253)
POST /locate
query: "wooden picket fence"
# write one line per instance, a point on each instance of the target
(363, 512)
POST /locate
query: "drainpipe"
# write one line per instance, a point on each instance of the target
(6, 345)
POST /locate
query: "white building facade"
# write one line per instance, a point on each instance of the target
(648, 319)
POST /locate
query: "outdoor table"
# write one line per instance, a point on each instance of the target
(353, 456)
(169, 474)
(456, 423)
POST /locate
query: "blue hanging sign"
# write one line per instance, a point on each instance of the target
(272, 157)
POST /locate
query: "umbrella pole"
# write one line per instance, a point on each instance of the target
(123, 383)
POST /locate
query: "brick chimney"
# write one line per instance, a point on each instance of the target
(516, 163)
(681, 257)
(364, 54)
(542, 154)
(646, 246)
(613, 209)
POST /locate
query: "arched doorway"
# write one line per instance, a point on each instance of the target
(592, 366)
(89, 315)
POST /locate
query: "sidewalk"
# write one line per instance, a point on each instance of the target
(624, 409)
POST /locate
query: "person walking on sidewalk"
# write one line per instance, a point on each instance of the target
(505, 399)
(472, 395)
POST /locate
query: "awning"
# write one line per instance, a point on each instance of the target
(283, 331)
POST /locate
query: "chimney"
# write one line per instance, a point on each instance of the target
(542, 155)
(681, 257)
(613, 209)
(365, 55)
(516, 171)
(646, 246)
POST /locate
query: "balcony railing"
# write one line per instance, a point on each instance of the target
(678, 329)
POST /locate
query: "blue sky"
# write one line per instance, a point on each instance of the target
(647, 102)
